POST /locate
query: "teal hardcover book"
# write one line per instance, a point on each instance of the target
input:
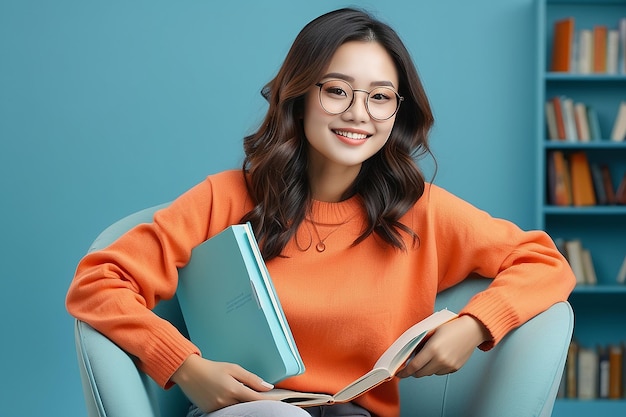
(231, 309)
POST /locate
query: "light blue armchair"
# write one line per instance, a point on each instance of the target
(518, 378)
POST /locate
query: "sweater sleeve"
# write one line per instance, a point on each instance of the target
(114, 289)
(529, 273)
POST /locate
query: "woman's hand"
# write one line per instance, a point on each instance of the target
(447, 350)
(214, 385)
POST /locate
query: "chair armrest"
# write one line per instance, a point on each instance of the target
(112, 384)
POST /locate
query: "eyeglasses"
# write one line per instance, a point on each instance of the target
(337, 96)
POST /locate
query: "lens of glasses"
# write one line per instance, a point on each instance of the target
(336, 96)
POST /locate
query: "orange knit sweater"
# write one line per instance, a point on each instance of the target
(344, 305)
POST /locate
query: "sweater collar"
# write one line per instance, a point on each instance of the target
(323, 212)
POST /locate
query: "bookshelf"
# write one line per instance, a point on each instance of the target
(600, 308)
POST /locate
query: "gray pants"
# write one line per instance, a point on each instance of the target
(280, 409)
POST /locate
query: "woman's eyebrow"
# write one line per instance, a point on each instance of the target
(351, 79)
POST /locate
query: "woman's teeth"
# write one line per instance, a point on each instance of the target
(351, 135)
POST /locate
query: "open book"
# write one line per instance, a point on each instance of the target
(387, 365)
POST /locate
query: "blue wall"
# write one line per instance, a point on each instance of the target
(109, 107)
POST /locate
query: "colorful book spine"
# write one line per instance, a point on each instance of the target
(562, 46)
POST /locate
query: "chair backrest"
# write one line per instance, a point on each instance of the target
(519, 377)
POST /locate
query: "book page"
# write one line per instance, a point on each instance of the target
(363, 384)
(403, 347)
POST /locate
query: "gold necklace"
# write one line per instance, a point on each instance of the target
(320, 246)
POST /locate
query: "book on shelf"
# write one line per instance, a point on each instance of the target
(594, 123)
(599, 49)
(598, 184)
(623, 346)
(231, 309)
(553, 133)
(588, 370)
(592, 373)
(574, 181)
(569, 119)
(616, 371)
(583, 193)
(571, 371)
(582, 122)
(559, 190)
(585, 52)
(607, 182)
(574, 256)
(568, 182)
(385, 368)
(579, 259)
(612, 52)
(611, 369)
(554, 119)
(562, 45)
(620, 194)
(589, 270)
(618, 133)
(604, 378)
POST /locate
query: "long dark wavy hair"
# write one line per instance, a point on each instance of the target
(275, 163)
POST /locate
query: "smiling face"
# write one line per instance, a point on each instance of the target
(340, 143)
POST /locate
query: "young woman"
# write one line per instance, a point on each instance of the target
(357, 243)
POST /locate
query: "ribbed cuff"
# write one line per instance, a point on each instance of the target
(495, 314)
(165, 352)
